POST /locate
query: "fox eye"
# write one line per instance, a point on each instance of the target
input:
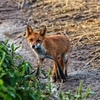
(31, 39)
(38, 41)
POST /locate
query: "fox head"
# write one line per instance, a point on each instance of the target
(35, 39)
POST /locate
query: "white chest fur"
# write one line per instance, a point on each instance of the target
(40, 52)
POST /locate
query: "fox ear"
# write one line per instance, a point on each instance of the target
(29, 30)
(43, 31)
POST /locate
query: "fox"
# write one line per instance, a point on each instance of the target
(55, 47)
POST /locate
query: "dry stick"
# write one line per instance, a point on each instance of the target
(95, 51)
(79, 38)
(96, 64)
(97, 55)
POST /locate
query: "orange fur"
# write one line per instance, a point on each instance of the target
(55, 47)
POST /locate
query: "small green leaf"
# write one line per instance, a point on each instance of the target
(11, 73)
(93, 93)
(27, 68)
(6, 60)
(12, 47)
(11, 93)
(16, 48)
(67, 98)
(4, 65)
(67, 92)
(61, 95)
(23, 70)
(3, 88)
(18, 57)
(7, 97)
(32, 95)
(1, 46)
(43, 96)
(78, 96)
(2, 74)
(1, 82)
(19, 96)
(3, 57)
(6, 42)
(43, 72)
(2, 94)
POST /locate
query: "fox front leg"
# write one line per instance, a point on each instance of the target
(40, 63)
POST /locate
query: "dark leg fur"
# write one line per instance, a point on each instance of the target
(60, 73)
(62, 76)
(40, 62)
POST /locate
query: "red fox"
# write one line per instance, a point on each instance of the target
(55, 47)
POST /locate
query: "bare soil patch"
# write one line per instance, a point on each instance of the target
(81, 21)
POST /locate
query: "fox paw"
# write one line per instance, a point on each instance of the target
(54, 79)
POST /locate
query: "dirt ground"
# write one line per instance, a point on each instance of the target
(79, 19)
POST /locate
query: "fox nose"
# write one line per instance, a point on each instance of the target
(33, 46)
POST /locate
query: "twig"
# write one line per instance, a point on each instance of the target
(97, 55)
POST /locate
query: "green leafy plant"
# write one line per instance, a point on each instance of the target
(16, 81)
(80, 95)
